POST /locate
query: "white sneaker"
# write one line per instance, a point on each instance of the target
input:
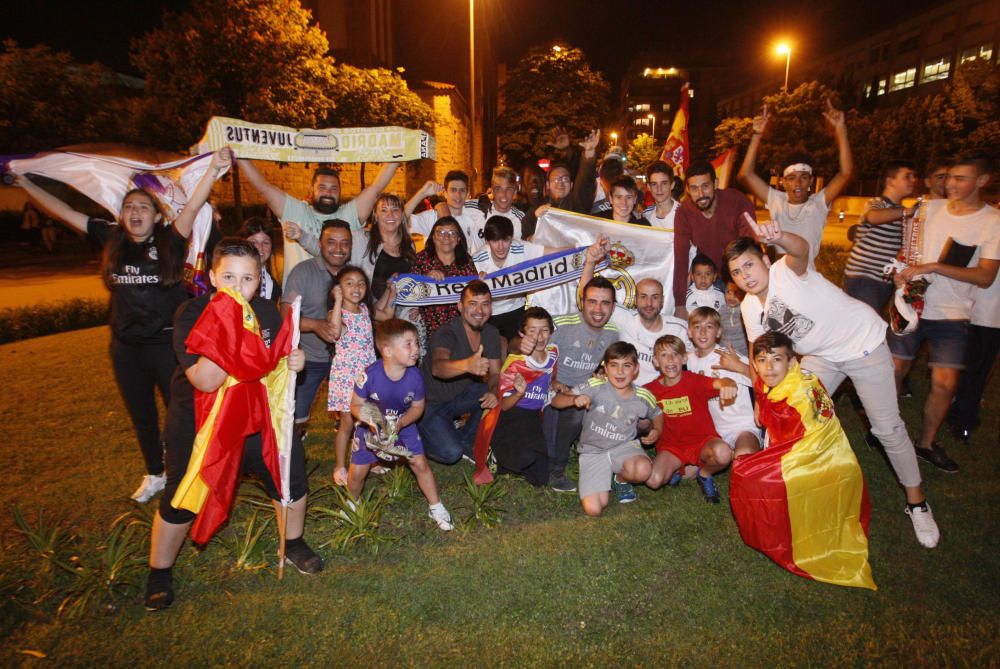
(441, 516)
(924, 526)
(151, 484)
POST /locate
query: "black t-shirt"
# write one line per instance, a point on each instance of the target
(452, 336)
(142, 308)
(181, 414)
(385, 266)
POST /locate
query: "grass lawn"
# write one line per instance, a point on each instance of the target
(665, 581)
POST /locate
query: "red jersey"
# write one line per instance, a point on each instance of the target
(686, 420)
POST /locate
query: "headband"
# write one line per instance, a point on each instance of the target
(797, 167)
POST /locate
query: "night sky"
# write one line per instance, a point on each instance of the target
(432, 35)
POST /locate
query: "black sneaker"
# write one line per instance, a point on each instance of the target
(303, 558)
(937, 457)
(159, 590)
(562, 483)
(708, 489)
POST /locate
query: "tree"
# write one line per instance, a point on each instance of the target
(549, 88)
(48, 100)
(262, 61)
(642, 151)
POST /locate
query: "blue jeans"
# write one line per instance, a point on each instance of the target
(306, 384)
(442, 442)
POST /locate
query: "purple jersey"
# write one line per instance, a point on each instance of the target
(536, 394)
(393, 398)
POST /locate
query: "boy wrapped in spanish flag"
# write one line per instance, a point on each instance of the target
(802, 501)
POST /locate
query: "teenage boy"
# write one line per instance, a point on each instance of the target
(961, 250)
(734, 423)
(235, 265)
(879, 238)
(610, 455)
(503, 188)
(794, 208)
(838, 337)
(661, 214)
(395, 386)
(624, 194)
(689, 437)
(455, 189)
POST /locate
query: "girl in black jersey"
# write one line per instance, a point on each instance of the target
(143, 267)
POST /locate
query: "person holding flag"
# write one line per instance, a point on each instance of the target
(143, 267)
(839, 338)
(224, 405)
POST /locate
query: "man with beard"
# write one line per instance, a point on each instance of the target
(710, 218)
(325, 201)
(564, 192)
(313, 280)
(461, 375)
(643, 326)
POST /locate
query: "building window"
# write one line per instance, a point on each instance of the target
(983, 51)
(868, 91)
(641, 122)
(666, 106)
(881, 86)
(903, 79)
(642, 108)
(936, 70)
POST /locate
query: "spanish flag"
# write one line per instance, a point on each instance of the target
(676, 152)
(803, 500)
(723, 166)
(515, 364)
(228, 334)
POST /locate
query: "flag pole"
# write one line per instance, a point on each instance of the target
(282, 524)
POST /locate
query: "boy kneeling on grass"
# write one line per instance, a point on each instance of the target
(393, 390)
(610, 454)
(227, 348)
(802, 502)
(689, 436)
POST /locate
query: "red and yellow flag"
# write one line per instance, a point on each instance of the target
(676, 152)
(515, 364)
(228, 334)
(723, 165)
(803, 500)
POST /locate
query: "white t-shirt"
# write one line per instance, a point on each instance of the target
(665, 223)
(806, 220)
(819, 317)
(948, 299)
(514, 215)
(631, 329)
(471, 224)
(738, 416)
(710, 297)
(519, 252)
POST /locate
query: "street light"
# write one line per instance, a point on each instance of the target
(614, 139)
(472, 87)
(787, 51)
(653, 118)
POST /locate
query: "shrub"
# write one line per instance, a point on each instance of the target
(17, 323)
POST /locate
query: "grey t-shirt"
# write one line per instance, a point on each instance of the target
(312, 221)
(611, 420)
(581, 349)
(451, 336)
(313, 282)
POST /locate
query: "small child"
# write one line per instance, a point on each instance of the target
(608, 446)
(734, 336)
(802, 502)
(351, 320)
(735, 424)
(514, 428)
(702, 291)
(689, 437)
(396, 388)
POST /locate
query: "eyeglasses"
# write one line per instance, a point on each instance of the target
(560, 180)
(446, 233)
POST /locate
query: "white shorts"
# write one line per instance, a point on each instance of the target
(731, 437)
